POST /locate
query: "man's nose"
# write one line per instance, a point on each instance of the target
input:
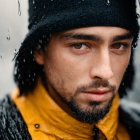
(101, 66)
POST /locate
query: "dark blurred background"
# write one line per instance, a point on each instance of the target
(13, 28)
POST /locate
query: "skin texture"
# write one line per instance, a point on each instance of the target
(84, 68)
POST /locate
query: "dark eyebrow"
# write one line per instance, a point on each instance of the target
(93, 37)
(80, 36)
(123, 37)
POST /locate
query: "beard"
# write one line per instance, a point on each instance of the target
(92, 116)
(96, 110)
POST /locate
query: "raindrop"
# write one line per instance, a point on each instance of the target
(51, 0)
(0, 56)
(19, 9)
(15, 54)
(19, 76)
(38, 47)
(17, 62)
(42, 17)
(15, 72)
(33, 1)
(8, 37)
(108, 2)
(40, 41)
(47, 39)
(35, 21)
(44, 36)
(33, 79)
(31, 52)
(15, 51)
(138, 15)
(22, 82)
(134, 47)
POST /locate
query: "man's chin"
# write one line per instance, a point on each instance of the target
(93, 113)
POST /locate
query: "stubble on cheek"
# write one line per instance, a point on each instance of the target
(60, 80)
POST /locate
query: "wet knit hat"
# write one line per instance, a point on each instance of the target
(51, 16)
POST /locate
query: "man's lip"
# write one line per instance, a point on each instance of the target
(97, 91)
(99, 95)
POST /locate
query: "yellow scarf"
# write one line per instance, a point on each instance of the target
(47, 121)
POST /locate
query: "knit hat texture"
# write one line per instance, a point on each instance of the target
(51, 16)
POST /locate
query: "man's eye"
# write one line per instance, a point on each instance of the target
(80, 46)
(119, 45)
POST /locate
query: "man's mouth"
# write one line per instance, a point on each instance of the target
(99, 95)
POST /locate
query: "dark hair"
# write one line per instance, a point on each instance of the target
(27, 71)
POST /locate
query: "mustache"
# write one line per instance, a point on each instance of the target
(96, 84)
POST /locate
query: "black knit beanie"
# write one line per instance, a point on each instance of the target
(51, 16)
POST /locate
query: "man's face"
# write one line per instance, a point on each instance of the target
(84, 68)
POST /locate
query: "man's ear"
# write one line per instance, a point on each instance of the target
(39, 56)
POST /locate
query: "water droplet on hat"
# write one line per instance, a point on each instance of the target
(33, 1)
(108, 2)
